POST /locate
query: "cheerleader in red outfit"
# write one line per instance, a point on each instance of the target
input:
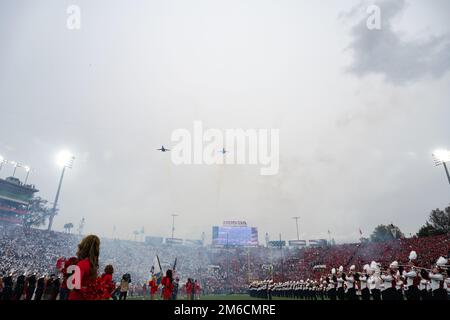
(153, 287)
(197, 290)
(88, 252)
(167, 283)
(189, 289)
(107, 279)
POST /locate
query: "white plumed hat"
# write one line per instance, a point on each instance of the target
(366, 266)
(412, 255)
(441, 262)
(341, 268)
(352, 267)
(394, 264)
(333, 271)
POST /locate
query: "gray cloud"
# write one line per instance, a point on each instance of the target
(385, 52)
(115, 90)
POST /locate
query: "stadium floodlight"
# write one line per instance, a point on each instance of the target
(27, 170)
(2, 162)
(296, 223)
(441, 157)
(64, 160)
(15, 165)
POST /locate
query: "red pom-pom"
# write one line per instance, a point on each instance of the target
(96, 290)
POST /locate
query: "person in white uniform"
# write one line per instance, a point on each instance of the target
(374, 281)
(412, 279)
(363, 277)
(350, 284)
(437, 280)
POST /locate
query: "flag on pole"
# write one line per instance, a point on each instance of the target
(156, 270)
(174, 269)
(174, 265)
(360, 232)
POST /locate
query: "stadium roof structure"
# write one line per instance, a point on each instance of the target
(11, 189)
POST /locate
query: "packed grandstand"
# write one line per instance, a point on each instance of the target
(218, 270)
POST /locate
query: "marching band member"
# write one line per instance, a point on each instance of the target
(412, 279)
(323, 289)
(424, 285)
(340, 284)
(365, 292)
(302, 290)
(399, 284)
(350, 284)
(447, 281)
(437, 280)
(388, 292)
(374, 280)
(331, 288)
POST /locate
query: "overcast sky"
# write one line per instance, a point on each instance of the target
(359, 111)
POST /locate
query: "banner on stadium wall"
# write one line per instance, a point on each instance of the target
(277, 244)
(297, 243)
(174, 241)
(318, 243)
(193, 242)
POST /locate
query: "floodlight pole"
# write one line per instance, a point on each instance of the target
(15, 169)
(228, 266)
(173, 224)
(248, 264)
(446, 171)
(282, 260)
(296, 223)
(26, 178)
(55, 203)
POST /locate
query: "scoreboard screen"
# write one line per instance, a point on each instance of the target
(235, 236)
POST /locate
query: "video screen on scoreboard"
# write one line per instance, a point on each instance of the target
(235, 236)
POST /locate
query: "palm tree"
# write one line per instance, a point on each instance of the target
(68, 226)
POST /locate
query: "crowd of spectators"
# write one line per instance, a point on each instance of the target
(303, 261)
(218, 270)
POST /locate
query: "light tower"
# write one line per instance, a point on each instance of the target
(15, 165)
(441, 157)
(173, 224)
(64, 160)
(2, 162)
(27, 170)
(296, 223)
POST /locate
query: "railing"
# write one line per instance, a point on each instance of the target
(18, 211)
